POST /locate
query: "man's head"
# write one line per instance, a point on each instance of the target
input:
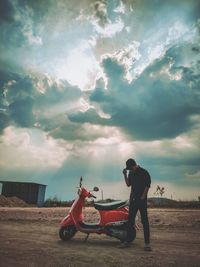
(131, 164)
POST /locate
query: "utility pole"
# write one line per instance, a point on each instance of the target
(101, 194)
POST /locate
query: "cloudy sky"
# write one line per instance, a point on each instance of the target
(85, 85)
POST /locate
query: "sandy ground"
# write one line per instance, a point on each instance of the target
(29, 237)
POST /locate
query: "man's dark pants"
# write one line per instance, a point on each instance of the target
(134, 206)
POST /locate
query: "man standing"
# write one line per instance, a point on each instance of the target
(140, 181)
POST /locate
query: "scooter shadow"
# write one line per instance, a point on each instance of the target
(89, 242)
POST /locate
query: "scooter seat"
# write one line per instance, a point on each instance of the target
(110, 206)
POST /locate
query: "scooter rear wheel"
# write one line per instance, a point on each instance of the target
(131, 237)
(67, 232)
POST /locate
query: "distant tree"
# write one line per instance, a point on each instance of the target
(52, 202)
(199, 198)
(159, 191)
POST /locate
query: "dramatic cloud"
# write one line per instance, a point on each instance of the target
(30, 149)
(159, 104)
(84, 85)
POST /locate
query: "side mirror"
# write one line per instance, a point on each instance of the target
(96, 189)
(81, 180)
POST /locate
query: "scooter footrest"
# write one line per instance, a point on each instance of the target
(90, 226)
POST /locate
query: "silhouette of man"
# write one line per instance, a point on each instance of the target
(140, 181)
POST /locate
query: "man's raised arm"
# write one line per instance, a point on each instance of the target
(126, 177)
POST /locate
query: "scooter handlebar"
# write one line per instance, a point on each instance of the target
(91, 195)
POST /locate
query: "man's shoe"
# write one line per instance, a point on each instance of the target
(125, 245)
(147, 247)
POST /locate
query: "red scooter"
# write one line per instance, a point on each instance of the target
(113, 218)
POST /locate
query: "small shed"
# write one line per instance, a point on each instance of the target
(31, 193)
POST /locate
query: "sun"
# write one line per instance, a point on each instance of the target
(79, 68)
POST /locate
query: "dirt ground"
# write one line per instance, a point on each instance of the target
(29, 237)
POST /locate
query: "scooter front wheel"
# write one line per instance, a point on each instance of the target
(67, 232)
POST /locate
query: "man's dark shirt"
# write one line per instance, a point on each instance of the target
(138, 180)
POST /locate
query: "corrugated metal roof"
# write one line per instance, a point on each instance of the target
(22, 182)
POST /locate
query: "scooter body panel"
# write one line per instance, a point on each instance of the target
(109, 216)
(67, 220)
